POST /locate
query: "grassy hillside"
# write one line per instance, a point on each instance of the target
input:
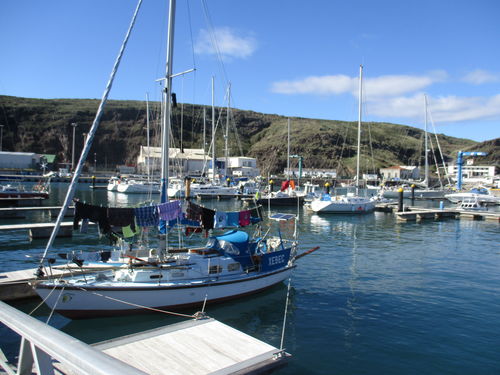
(43, 126)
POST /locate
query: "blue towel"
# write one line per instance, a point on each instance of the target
(233, 219)
(147, 216)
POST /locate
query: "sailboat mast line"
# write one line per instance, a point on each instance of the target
(167, 103)
(93, 129)
(359, 121)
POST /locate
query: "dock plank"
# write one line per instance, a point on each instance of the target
(193, 348)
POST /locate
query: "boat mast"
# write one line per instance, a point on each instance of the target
(166, 104)
(426, 179)
(213, 133)
(204, 138)
(288, 153)
(148, 165)
(226, 136)
(359, 121)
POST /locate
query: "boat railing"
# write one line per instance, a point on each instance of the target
(41, 344)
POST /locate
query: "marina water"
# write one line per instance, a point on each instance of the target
(380, 296)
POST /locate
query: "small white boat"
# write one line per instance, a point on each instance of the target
(482, 195)
(138, 187)
(113, 183)
(471, 204)
(345, 204)
(19, 191)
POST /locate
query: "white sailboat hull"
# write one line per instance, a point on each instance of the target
(342, 206)
(101, 300)
(138, 188)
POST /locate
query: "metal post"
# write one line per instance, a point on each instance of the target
(400, 200)
(74, 125)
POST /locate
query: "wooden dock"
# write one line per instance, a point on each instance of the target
(20, 212)
(195, 347)
(200, 346)
(42, 230)
(419, 213)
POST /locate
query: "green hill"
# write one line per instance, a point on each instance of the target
(43, 126)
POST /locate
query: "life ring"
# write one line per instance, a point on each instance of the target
(360, 208)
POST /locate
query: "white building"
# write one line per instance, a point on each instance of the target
(474, 174)
(19, 160)
(400, 172)
(188, 163)
(241, 166)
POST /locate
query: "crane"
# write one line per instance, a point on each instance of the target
(460, 163)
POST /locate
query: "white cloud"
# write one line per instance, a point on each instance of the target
(444, 109)
(383, 86)
(400, 97)
(226, 42)
(321, 85)
(478, 77)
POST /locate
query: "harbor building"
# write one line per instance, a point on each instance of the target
(19, 160)
(189, 161)
(400, 172)
(474, 174)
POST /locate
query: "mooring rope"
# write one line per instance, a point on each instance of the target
(286, 312)
(137, 305)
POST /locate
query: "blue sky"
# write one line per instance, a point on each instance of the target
(292, 58)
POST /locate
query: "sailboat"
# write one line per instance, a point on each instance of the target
(287, 195)
(349, 203)
(422, 189)
(230, 265)
(213, 188)
(141, 186)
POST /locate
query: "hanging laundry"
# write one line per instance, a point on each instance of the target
(220, 219)
(193, 212)
(121, 217)
(147, 216)
(244, 218)
(233, 219)
(128, 232)
(170, 210)
(95, 214)
(207, 218)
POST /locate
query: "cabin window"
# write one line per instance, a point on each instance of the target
(215, 269)
(233, 267)
(155, 276)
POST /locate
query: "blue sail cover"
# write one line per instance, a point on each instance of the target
(237, 245)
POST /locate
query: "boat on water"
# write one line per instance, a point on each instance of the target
(40, 191)
(138, 187)
(471, 204)
(229, 265)
(352, 202)
(342, 204)
(481, 195)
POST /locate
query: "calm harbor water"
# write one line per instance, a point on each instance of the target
(378, 297)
